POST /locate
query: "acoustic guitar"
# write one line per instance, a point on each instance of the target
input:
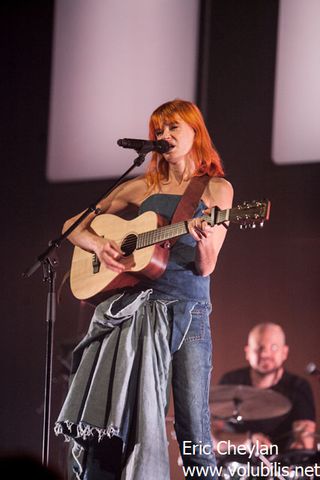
(146, 246)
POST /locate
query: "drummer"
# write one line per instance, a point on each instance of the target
(266, 353)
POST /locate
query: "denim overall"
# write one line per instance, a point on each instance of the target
(190, 342)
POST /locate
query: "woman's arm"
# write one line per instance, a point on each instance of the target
(106, 249)
(210, 239)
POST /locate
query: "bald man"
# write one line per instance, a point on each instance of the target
(266, 353)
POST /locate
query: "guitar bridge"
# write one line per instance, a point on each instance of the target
(95, 263)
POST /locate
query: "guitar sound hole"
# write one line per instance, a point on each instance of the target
(129, 244)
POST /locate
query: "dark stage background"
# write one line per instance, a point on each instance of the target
(266, 275)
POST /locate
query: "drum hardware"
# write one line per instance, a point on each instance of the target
(239, 403)
(236, 417)
(268, 464)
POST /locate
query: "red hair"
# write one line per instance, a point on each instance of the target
(204, 155)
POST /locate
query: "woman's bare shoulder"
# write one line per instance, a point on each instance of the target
(135, 189)
(127, 194)
(219, 192)
(220, 182)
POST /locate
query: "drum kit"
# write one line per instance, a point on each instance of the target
(239, 403)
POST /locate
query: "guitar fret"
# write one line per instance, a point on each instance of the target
(161, 234)
(222, 216)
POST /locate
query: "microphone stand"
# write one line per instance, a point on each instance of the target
(49, 261)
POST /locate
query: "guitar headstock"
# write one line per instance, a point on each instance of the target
(251, 214)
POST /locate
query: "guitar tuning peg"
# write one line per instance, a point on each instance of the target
(243, 226)
(261, 224)
(252, 225)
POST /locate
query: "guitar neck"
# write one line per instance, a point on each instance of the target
(162, 234)
(167, 232)
(247, 214)
(221, 216)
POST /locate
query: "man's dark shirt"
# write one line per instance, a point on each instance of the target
(278, 429)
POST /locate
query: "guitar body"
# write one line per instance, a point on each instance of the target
(88, 277)
(144, 241)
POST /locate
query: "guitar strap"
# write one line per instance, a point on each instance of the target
(189, 201)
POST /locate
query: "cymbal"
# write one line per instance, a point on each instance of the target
(242, 402)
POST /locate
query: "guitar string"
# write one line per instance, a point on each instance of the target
(155, 236)
(152, 237)
(158, 235)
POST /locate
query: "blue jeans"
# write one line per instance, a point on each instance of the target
(191, 371)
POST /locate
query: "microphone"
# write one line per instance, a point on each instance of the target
(312, 369)
(145, 146)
